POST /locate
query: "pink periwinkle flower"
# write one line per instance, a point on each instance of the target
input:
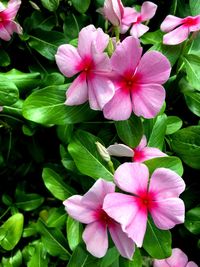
(177, 259)
(138, 81)
(135, 19)
(7, 15)
(88, 209)
(140, 153)
(159, 197)
(92, 65)
(179, 28)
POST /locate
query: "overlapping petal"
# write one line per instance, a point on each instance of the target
(191, 264)
(120, 150)
(178, 258)
(148, 10)
(12, 9)
(138, 29)
(170, 23)
(176, 36)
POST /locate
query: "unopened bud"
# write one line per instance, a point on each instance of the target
(103, 151)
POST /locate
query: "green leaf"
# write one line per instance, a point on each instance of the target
(111, 256)
(193, 101)
(79, 258)
(56, 217)
(81, 6)
(174, 123)
(156, 138)
(74, 232)
(54, 241)
(87, 159)
(4, 58)
(56, 185)
(46, 42)
(135, 262)
(65, 132)
(186, 144)
(8, 92)
(130, 131)
(172, 163)
(51, 5)
(195, 7)
(192, 220)
(13, 228)
(39, 20)
(157, 242)
(39, 257)
(152, 37)
(192, 64)
(46, 106)
(13, 261)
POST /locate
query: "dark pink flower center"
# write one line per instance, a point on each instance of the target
(129, 82)
(146, 200)
(3, 16)
(139, 19)
(138, 155)
(103, 217)
(190, 21)
(86, 65)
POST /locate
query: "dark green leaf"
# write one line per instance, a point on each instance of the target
(51, 5)
(79, 258)
(56, 185)
(192, 220)
(64, 132)
(192, 63)
(193, 101)
(8, 92)
(174, 123)
(4, 58)
(81, 6)
(28, 202)
(74, 232)
(84, 152)
(157, 242)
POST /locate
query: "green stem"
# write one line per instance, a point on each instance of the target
(111, 167)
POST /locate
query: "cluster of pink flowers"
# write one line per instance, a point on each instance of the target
(125, 215)
(7, 15)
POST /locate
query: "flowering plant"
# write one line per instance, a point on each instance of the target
(100, 135)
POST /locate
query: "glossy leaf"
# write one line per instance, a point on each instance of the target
(13, 261)
(192, 63)
(39, 257)
(79, 258)
(174, 123)
(74, 232)
(51, 5)
(135, 262)
(192, 220)
(193, 101)
(8, 92)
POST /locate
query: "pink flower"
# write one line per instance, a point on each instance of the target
(139, 154)
(88, 209)
(7, 24)
(177, 259)
(137, 81)
(159, 197)
(92, 65)
(148, 10)
(179, 29)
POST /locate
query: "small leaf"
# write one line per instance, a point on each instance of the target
(74, 232)
(130, 131)
(56, 185)
(81, 6)
(157, 242)
(13, 228)
(174, 123)
(192, 220)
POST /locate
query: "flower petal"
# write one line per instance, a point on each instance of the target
(165, 183)
(78, 211)
(130, 15)
(95, 196)
(100, 91)
(132, 177)
(178, 257)
(125, 245)
(151, 153)
(147, 100)
(177, 36)
(138, 29)
(154, 68)
(113, 10)
(196, 25)
(12, 9)
(96, 239)
(191, 264)
(170, 23)
(143, 143)
(119, 107)
(4, 34)
(68, 60)
(148, 10)
(168, 212)
(101, 41)
(77, 93)
(120, 150)
(160, 263)
(128, 53)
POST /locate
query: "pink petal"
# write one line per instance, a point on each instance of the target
(152, 152)
(195, 27)
(178, 257)
(78, 211)
(4, 34)
(138, 29)
(102, 63)
(177, 36)
(130, 15)
(96, 239)
(191, 264)
(68, 60)
(120, 150)
(168, 212)
(126, 56)
(12, 9)
(95, 196)
(143, 143)
(101, 41)
(154, 67)
(148, 10)
(113, 10)
(100, 91)
(77, 93)
(148, 100)
(170, 23)
(125, 245)
(119, 107)
(12, 27)
(160, 263)
(165, 183)
(126, 210)
(132, 177)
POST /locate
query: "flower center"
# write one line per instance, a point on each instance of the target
(129, 82)
(189, 21)
(138, 155)
(139, 19)
(103, 217)
(146, 200)
(86, 65)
